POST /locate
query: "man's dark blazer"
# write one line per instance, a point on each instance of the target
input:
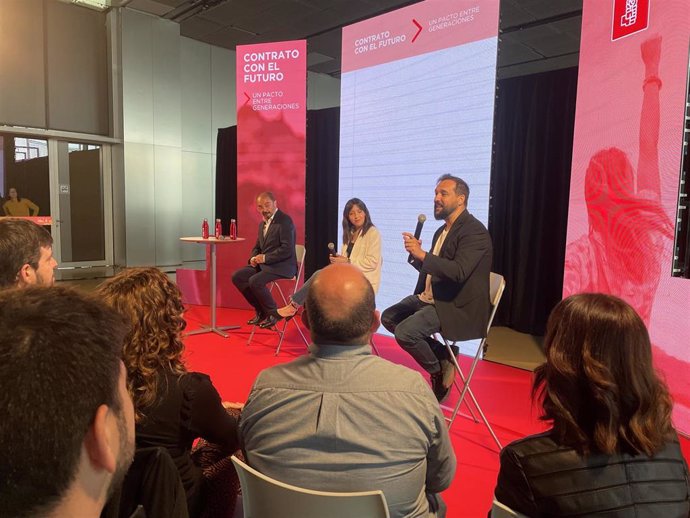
(278, 246)
(460, 278)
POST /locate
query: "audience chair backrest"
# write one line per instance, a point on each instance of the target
(498, 510)
(264, 497)
(153, 482)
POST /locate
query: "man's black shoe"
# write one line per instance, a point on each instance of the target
(256, 320)
(440, 391)
(270, 322)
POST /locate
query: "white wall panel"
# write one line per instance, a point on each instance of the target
(137, 77)
(197, 199)
(195, 67)
(139, 204)
(167, 204)
(166, 84)
(223, 88)
(22, 87)
(323, 91)
(75, 65)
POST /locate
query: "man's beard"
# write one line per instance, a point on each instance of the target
(126, 455)
(443, 213)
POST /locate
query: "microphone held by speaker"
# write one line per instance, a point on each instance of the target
(417, 233)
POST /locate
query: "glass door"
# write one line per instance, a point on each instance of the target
(64, 186)
(25, 178)
(81, 195)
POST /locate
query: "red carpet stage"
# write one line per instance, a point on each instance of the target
(502, 391)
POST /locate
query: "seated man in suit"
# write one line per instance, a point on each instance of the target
(26, 254)
(343, 419)
(273, 257)
(452, 293)
(67, 434)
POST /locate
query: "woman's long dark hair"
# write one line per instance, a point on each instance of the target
(598, 386)
(347, 226)
(19, 198)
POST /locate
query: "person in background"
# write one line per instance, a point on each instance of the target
(26, 254)
(343, 419)
(273, 257)
(611, 450)
(19, 207)
(173, 407)
(67, 433)
(361, 247)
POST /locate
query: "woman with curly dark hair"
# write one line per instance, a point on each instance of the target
(612, 450)
(173, 407)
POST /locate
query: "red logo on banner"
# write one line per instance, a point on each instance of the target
(629, 17)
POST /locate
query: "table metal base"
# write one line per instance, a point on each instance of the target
(212, 329)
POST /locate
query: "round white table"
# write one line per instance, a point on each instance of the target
(212, 242)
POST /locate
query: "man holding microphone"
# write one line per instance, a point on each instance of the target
(452, 292)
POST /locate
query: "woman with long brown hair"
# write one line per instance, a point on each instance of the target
(361, 247)
(173, 407)
(612, 450)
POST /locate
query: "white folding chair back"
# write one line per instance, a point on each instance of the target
(498, 510)
(497, 285)
(300, 252)
(265, 497)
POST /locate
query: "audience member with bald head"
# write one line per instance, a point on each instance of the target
(343, 419)
(340, 307)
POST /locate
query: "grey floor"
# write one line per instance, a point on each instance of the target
(513, 348)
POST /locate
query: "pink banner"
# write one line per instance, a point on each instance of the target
(271, 130)
(417, 29)
(271, 148)
(625, 174)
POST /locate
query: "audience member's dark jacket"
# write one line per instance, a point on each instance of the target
(539, 478)
(188, 407)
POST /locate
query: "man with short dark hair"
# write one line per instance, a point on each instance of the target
(342, 419)
(67, 433)
(26, 254)
(452, 292)
(273, 257)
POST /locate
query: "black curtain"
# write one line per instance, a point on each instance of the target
(530, 183)
(321, 214)
(226, 176)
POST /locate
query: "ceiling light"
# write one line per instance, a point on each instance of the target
(98, 5)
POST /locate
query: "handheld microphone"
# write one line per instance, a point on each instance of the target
(331, 250)
(417, 233)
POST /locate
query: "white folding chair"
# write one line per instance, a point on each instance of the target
(498, 510)
(497, 285)
(265, 497)
(280, 328)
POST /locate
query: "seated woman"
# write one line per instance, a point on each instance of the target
(361, 247)
(173, 407)
(612, 450)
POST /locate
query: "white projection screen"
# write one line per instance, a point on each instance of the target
(417, 101)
